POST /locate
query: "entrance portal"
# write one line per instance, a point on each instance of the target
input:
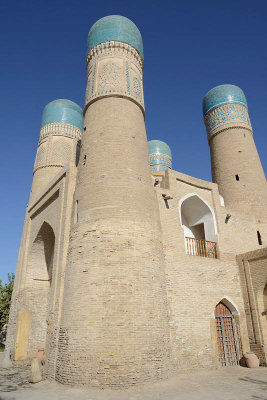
(226, 336)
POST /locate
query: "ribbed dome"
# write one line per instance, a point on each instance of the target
(115, 27)
(63, 110)
(160, 156)
(223, 94)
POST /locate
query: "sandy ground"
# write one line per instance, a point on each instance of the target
(224, 384)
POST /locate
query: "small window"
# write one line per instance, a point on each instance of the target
(237, 177)
(259, 238)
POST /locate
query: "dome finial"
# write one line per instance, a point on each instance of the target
(115, 27)
(63, 110)
(223, 94)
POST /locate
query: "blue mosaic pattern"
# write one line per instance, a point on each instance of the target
(63, 110)
(137, 88)
(225, 115)
(223, 94)
(160, 156)
(93, 79)
(127, 77)
(115, 27)
(109, 77)
(114, 77)
(159, 147)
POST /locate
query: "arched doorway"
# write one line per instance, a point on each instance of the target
(199, 226)
(227, 336)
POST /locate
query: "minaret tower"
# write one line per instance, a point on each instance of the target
(114, 328)
(61, 128)
(235, 163)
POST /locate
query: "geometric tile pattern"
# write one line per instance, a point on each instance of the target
(225, 115)
(114, 69)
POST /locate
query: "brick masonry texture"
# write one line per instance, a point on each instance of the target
(103, 271)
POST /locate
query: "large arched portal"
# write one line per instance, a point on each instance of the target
(199, 226)
(38, 284)
(227, 335)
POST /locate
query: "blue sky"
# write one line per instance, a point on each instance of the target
(189, 47)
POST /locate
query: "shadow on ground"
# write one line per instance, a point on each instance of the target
(13, 379)
(260, 383)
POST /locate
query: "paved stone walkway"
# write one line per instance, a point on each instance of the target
(234, 383)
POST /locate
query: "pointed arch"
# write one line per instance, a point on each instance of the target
(42, 253)
(197, 218)
(38, 285)
(227, 301)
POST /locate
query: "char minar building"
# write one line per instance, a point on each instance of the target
(129, 271)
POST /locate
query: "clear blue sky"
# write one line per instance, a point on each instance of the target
(189, 47)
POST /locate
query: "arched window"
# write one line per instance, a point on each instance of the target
(199, 225)
(227, 334)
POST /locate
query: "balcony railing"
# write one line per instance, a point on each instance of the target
(200, 247)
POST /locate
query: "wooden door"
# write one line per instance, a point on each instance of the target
(226, 336)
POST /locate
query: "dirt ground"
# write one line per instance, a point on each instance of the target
(224, 384)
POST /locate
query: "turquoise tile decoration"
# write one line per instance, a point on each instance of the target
(160, 156)
(63, 110)
(115, 27)
(223, 94)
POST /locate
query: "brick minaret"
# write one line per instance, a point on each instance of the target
(235, 163)
(61, 128)
(114, 326)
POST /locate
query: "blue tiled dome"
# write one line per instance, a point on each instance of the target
(63, 110)
(223, 94)
(115, 27)
(160, 156)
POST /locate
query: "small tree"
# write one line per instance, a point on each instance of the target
(5, 301)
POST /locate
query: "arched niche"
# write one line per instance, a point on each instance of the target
(262, 306)
(38, 285)
(197, 218)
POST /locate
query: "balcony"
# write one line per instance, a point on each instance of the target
(202, 248)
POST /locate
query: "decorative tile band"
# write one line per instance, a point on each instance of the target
(115, 47)
(114, 69)
(127, 77)
(228, 114)
(159, 162)
(60, 128)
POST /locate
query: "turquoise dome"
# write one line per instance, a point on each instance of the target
(115, 27)
(223, 94)
(63, 110)
(160, 156)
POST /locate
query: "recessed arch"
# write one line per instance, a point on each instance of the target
(38, 285)
(262, 308)
(195, 211)
(199, 224)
